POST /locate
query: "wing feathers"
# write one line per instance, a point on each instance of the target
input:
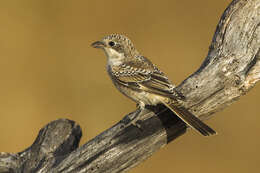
(146, 76)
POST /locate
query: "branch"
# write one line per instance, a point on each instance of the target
(230, 70)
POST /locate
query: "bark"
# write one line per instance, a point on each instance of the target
(230, 70)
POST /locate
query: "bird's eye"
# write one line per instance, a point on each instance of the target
(111, 43)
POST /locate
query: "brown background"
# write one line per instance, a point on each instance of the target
(48, 71)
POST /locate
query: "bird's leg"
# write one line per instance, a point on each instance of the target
(134, 117)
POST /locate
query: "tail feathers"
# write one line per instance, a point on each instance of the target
(191, 120)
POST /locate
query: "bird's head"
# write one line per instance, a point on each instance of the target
(117, 48)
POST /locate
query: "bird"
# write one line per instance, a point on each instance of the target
(139, 79)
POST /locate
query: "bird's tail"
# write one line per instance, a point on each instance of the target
(191, 119)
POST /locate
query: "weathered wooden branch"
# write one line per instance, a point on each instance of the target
(230, 70)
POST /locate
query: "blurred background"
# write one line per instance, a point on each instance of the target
(48, 71)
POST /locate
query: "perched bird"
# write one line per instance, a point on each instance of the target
(139, 79)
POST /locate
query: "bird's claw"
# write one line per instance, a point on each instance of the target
(133, 119)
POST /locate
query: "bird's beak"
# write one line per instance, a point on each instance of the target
(98, 44)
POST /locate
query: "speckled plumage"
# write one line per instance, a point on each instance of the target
(139, 79)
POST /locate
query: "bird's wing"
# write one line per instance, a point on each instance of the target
(142, 74)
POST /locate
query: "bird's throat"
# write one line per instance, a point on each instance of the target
(114, 58)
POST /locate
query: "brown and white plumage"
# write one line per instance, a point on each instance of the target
(139, 79)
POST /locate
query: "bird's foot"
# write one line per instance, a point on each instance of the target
(133, 119)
